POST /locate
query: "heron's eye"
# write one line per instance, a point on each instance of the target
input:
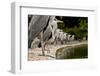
(54, 19)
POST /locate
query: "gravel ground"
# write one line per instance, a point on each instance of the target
(36, 54)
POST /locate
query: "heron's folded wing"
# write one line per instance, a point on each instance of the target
(37, 24)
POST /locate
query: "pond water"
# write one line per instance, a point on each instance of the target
(73, 52)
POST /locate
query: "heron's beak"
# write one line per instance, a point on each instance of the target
(59, 21)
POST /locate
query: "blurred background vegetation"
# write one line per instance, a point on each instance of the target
(77, 26)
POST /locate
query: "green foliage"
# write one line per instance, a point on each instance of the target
(74, 25)
(61, 25)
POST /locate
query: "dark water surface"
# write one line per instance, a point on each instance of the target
(73, 52)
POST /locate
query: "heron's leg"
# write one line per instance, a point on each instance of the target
(42, 44)
(46, 46)
(48, 49)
